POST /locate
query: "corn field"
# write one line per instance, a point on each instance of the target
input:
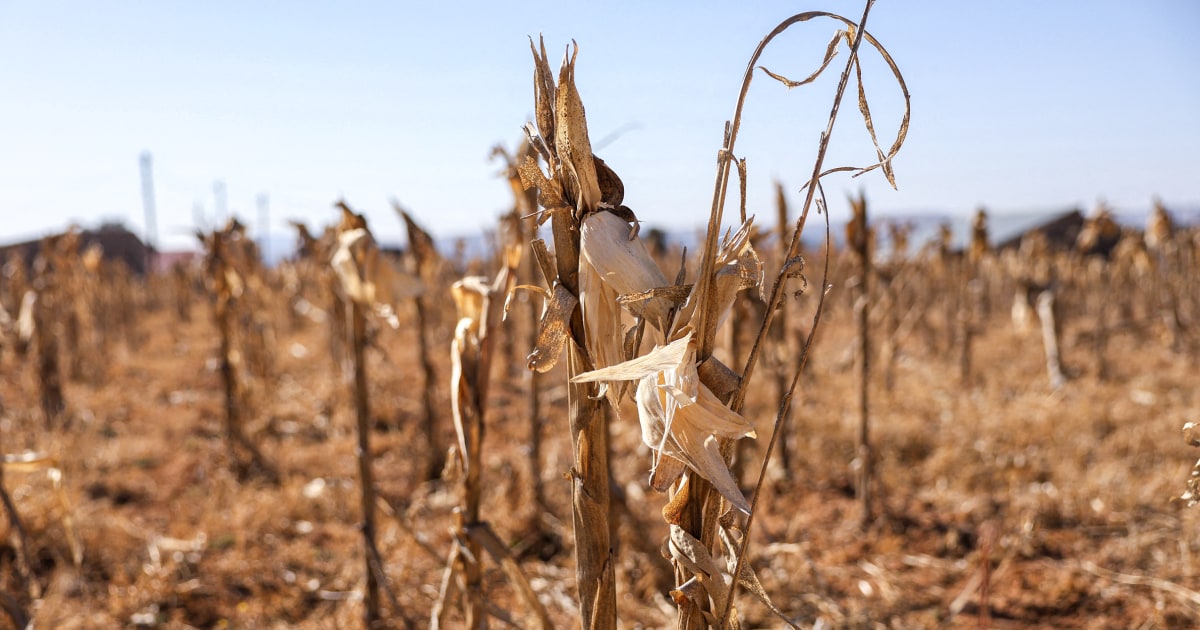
(591, 427)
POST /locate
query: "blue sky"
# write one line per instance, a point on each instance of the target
(1017, 109)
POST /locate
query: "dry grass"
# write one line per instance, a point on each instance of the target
(1077, 484)
(997, 499)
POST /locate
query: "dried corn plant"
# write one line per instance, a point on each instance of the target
(688, 402)
(570, 192)
(523, 232)
(47, 328)
(1191, 495)
(225, 265)
(430, 268)
(480, 306)
(860, 238)
(370, 287)
(28, 462)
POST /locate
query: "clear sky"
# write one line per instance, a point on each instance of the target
(1016, 106)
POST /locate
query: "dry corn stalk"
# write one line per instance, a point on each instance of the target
(31, 462)
(480, 307)
(45, 329)
(858, 236)
(603, 279)
(370, 285)
(853, 36)
(222, 257)
(525, 205)
(570, 191)
(429, 267)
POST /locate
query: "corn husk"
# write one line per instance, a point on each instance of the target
(469, 294)
(368, 278)
(571, 142)
(680, 417)
(610, 265)
(624, 264)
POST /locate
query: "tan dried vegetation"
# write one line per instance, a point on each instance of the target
(314, 454)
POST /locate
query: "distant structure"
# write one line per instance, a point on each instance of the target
(151, 234)
(1060, 232)
(115, 241)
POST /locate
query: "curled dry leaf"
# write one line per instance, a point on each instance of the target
(550, 195)
(708, 581)
(468, 296)
(555, 330)
(680, 417)
(368, 278)
(748, 579)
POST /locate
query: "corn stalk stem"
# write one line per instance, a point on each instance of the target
(437, 458)
(590, 499)
(49, 371)
(863, 306)
(228, 376)
(777, 290)
(371, 613)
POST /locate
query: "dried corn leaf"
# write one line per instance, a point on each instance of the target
(464, 360)
(830, 53)
(25, 321)
(543, 90)
(550, 194)
(666, 471)
(690, 433)
(571, 143)
(612, 190)
(708, 577)
(27, 462)
(674, 294)
(657, 360)
(884, 160)
(680, 417)
(602, 321)
(346, 266)
(555, 330)
(747, 578)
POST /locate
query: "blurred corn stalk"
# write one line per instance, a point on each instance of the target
(29, 463)
(480, 306)
(90, 301)
(525, 207)
(13, 289)
(859, 238)
(47, 328)
(224, 265)
(430, 268)
(369, 285)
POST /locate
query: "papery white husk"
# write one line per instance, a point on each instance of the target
(680, 417)
(610, 265)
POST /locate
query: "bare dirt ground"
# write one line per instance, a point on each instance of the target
(1001, 503)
